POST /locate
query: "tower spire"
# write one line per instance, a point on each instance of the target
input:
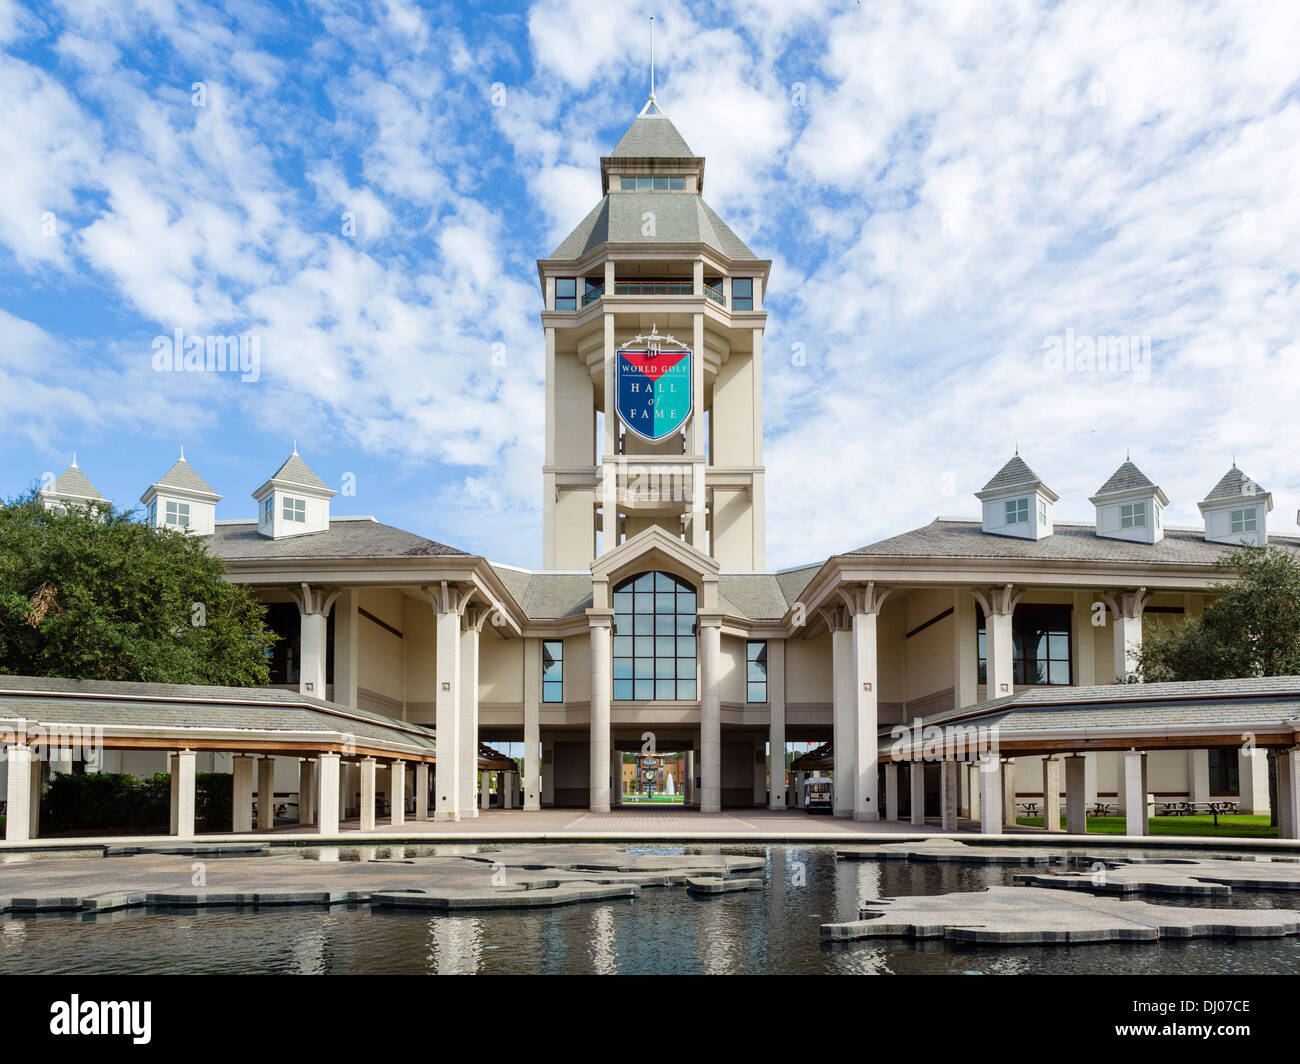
(652, 57)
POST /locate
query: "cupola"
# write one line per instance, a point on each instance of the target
(1017, 502)
(1130, 507)
(1236, 510)
(182, 500)
(294, 502)
(71, 488)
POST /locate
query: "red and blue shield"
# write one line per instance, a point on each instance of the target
(653, 391)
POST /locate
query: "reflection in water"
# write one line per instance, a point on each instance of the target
(665, 930)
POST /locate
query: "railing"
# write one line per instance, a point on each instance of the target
(653, 288)
(715, 295)
(593, 294)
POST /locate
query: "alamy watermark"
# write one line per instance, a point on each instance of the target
(1082, 353)
(179, 353)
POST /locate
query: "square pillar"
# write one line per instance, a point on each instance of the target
(1076, 794)
(346, 634)
(1051, 794)
(710, 637)
(866, 604)
(601, 626)
(36, 798)
(327, 819)
(474, 617)
(183, 794)
(974, 782)
(421, 790)
(916, 787)
(266, 793)
(965, 649)
(776, 723)
(1198, 775)
(891, 791)
(992, 790)
(174, 770)
(1253, 771)
(242, 790)
(18, 797)
(548, 773)
(306, 791)
(1009, 792)
(447, 708)
(397, 793)
(313, 609)
(1288, 793)
(532, 724)
(485, 789)
(1133, 780)
(948, 795)
(368, 794)
(843, 739)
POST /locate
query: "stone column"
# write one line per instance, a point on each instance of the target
(1051, 794)
(776, 722)
(698, 530)
(265, 793)
(421, 791)
(601, 626)
(346, 634)
(1126, 622)
(999, 605)
(1253, 769)
(18, 797)
(473, 618)
(306, 791)
(891, 791)
(916, 787)
(974, 781)
(710, 636)
(1076, 794)
(532, 724)
(327, 820)
(1009, 810)
(35, 796)
(314, 605)
(174, 770)
(609, 458)
(948, 795)
(843, 738)
(991, 795)
(367, 794)
(548, 773)
(447, 604)
(485, 789)
(183, 774)
(1288, 793)
(397, 793)
(1198, 775)
(864, 602)
(242, 788)
(1083, 646)
(965, 649)
(1134, 783)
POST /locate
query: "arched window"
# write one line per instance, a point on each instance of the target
(654, 638)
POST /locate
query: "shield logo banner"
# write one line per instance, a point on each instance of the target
(653, 391)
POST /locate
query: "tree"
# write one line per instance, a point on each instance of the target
(1251, 627)
(92, 593)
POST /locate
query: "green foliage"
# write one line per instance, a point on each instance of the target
(95, 594)
(1252, 627)
(106, 801)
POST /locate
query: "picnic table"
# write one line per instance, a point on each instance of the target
(1101, 809)
(1030, 808)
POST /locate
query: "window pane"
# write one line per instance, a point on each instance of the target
(644, 646)
(622, 624)
(1059, 672)
(643, 689)
(623, 602)
(665, 603)
(627, 184)
(644, 604)
(644, 184)
(622, 668)
(644, 582)
(686, 668)
(553, 671)
(643, 624)
(622, 689)
(622, 646)
(686, 625)
(664, 582)
(552, 692)
(757, 692)
(677, 184)
(665, 689)
(685, 688)
(665, 646)
(1017, 672)
(757, 671)
(686, 602)
(664, 669)
(685, 646)
(643, 667)
(661, 184)
(1058, 647)
(665, 624)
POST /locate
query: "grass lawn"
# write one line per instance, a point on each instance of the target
(658, 799)
(1254, 827)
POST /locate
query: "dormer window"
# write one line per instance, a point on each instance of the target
(268, 509)
(566, 293)
(294, 509)
(1042, 511)
(1017, 511)
(1133, 515)
(652, 184)
(1242, 521)
(742, 293)
(178, 514)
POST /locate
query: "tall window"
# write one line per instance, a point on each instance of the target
(1133, 515)
(1040, 645)
(566, 293)
(654, 638)
(742, 293)
(1243, 520)
(1017, 511)
(552, 670)
(756, 671)
(1225, 771)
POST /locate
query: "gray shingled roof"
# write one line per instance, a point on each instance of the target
(755, 596)
(793, 581)
(1234, 485)
(112, 704)
(680, 218)
(652, 136)
(1013, 474)
(351, 538)
(967, 539)
(555, 595)
(1206, 702)
(73, 482)
(182, 475)
(299, 472)
(1126, 478)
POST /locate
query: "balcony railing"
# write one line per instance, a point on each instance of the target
(715, 295)
(593, 294)
(651, 288)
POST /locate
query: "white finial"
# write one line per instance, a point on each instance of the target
(74, 460)
(295, 446)
(652, 57)
(182, 452)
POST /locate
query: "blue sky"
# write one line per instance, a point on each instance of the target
(945, 190)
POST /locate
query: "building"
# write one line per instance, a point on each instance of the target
(654, 611)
